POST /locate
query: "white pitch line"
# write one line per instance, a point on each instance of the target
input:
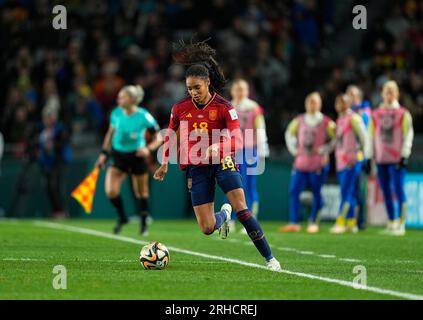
(311, 253)
(287, 249)
(308, 253)
(78, 260)
(22, 259)
(405, 261)
(235, 261)
(349, 260)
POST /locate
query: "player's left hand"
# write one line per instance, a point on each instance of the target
(143, 152)
(160, 172)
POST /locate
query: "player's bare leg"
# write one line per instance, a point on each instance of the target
(209, 221)
(141, 191)
(113, 184)
(237, 199)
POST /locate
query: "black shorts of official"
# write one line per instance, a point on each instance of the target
(129, 163)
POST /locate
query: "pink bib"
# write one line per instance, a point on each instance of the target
(310, 139)
(247, 121)
(346, 143)
(388, 134)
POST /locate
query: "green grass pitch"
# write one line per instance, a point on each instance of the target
(101, 266)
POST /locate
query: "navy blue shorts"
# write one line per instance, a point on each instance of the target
(202, 180)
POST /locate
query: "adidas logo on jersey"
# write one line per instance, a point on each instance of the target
(189, 115)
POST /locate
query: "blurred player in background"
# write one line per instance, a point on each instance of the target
(392, 128)
(54, 153)
(352, 148)
(1, 157)
(251, 117)
(202, 114)
(125, 143)
(310, 138)
(359, 104)
(362, 107)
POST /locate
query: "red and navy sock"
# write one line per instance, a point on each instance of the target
(255, 233)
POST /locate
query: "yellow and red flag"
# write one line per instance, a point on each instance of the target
(84, 193)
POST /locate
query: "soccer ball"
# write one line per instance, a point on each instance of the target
(154, 256)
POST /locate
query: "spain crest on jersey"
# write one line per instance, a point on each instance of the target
(213, 115)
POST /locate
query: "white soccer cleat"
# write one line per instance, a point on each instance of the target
(313, 228)
(353, 229)
(390, 228)
(225, 228)
(400, 230)
(338, 229)
(273, 265)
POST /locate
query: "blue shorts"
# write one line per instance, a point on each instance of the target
(201, 181)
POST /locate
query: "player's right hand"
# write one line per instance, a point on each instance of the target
(101, 161)
(160, 172)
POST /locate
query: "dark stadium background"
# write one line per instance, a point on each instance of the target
(284, 48)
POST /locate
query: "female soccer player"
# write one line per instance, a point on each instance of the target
(125, 142)
(364, 109)
(310, 138)
(251, 119)
(208, 154)
(352, 147)
(392, 128)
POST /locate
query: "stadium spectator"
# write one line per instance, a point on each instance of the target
(54, 154)
(283, 47)
(87, 117)
(107, 86)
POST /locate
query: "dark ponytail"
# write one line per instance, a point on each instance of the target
(200, 59)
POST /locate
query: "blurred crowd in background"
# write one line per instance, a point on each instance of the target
(68, 79)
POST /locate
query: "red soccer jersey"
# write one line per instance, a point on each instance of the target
(198, 128)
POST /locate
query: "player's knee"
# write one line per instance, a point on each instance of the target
(207, 229)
